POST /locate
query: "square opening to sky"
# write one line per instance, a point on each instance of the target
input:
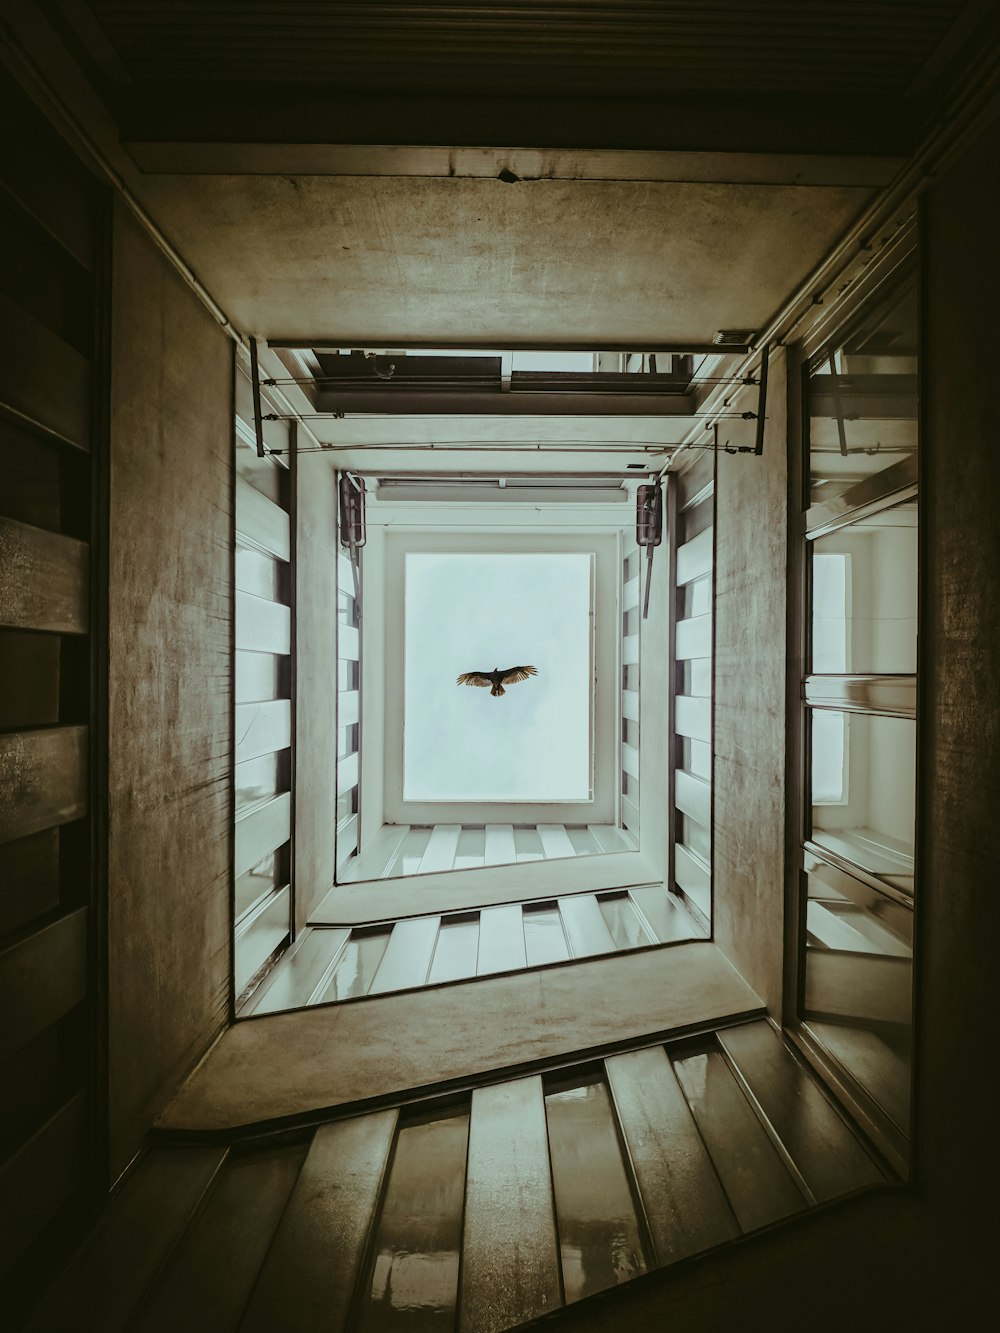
(475, 612)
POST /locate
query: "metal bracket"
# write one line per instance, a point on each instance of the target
(649, 529)
(759, 416)
(765, 356)
(258, 420)
(353, 532)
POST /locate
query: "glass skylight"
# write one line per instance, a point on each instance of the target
(473, 612)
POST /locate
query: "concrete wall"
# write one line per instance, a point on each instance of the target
(170, 625)
(958, 918)
(749, 775)
(655, 669)
(316, 681)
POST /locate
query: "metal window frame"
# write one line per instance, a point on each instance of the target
(867, 694)
(605, 701)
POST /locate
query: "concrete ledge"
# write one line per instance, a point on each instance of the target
(283, 1066)
(480, 886)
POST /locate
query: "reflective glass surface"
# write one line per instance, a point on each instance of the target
(259, 676)
(864, 785)
(544, 939)
(864, 596)
(414, 846)
(258, 778)
(623, 922)
(859, 984)
(695, 677)
(414, 1281)
(862, 399)
(358, 965)
(268, 874)
(696, 758)
(456, 949)
(696, 598)
(528, 845)
(599, 1240)
(257, 573)
(691, 834)
(471, 848)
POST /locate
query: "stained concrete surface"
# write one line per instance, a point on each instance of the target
(364, 259)
(316, 681)
(169, 723)
(749, 714)
(294, 1063)
(958, 908)
(480, 886)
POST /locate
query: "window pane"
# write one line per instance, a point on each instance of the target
(864, 782)
(863, 400)
(864, 617)
(858, 984)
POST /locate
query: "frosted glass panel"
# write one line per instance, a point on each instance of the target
(862, 399)
(864, 617)
(872, 822)
(476, 613)
(599, 1238)
(414, 1280)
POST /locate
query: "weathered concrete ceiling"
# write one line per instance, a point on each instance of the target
(364, 259)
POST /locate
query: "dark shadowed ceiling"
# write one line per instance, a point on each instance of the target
(658, 74)
(595, 46)
(587, 172)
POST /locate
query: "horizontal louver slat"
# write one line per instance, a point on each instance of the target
(44, 580)
(32, 361)
(693, 796)
(259, 934)
(42, 977)
(693, 638)
(693, 718)
(694, 558)
(262, 626)
(261, 829)
(262, 523)
(262, 728)
(43, 780)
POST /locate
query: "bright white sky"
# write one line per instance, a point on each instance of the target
(474, 613)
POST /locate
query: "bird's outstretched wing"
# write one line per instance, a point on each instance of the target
(475, 678)
(513, 674)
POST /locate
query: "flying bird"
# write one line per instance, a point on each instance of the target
(496, 678)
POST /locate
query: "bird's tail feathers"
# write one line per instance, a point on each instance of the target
(497, 690)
